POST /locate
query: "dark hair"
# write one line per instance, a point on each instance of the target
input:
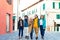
(26, 16)
(43, 16)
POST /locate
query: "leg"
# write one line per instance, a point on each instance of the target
(36, 32)
(19, 33)
(31, 34)
(41, 30)
(22, 32)
(27, 33)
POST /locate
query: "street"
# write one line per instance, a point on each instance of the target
(14, 36)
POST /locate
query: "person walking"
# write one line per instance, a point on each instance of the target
(30, 23)
(26, 27)
(42, 26)
(35, 26)
(20, 27)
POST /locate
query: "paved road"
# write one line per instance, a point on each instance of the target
(14, 36)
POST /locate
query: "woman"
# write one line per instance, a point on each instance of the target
(36, 25)
(42, 26)
(20, 27)
(30, 23)
(26, 27)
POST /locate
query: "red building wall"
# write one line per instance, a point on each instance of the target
(4, 9)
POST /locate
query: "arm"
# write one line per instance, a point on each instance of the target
(44, 24)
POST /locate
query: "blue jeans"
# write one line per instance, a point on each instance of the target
(21, 31)
(31, 34)
(42, 30)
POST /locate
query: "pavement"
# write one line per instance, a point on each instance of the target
(14, 36)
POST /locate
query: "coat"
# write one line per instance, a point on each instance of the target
(20, 24)
(36, 23)
(25, 23)
(30, 24)
(44, 23)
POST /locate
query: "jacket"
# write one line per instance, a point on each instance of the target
(44, 23)
(25, 23)
(19, 25)
(36, 23)
(30, 23)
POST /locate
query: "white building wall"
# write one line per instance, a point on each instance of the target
(26, 3)
(50, 12)
(15, 11)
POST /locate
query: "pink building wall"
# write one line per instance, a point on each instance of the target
(4, 9)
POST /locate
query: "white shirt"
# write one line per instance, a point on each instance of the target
(41, 22)
(21, 23)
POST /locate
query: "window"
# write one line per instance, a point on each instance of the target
(14, 17)
(43, 6)
(59, 5)
(53, 5)
(58, 16)
(9, 2)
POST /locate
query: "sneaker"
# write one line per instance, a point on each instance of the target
(36, 38)
(27, 37)
(31, 39)
(42, 37)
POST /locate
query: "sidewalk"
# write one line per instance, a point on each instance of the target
(14, 36)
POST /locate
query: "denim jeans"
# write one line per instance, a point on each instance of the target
(21, 31)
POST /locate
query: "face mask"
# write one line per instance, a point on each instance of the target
(26, 20)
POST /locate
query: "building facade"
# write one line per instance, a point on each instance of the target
(6, 13)
(49, 8)
(16, 14)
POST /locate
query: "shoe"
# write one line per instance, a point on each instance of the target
(27, 37)
(36, 38)
(31, 39)
(42, 37)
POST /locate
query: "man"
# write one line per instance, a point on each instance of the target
(26, 27)
(20, 27)
(42, 26)
(35, 26)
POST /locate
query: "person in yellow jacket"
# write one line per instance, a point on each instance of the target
(35, 26)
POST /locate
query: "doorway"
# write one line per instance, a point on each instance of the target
(7, 22)
(14, 17)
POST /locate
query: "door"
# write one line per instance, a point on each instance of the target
(7, 23)
(14, 17)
